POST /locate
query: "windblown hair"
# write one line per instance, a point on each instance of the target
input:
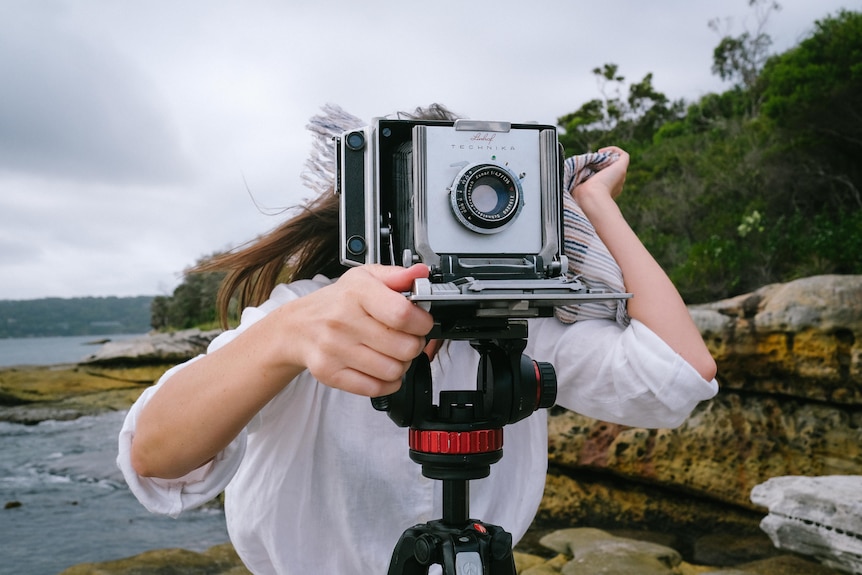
(300, 248)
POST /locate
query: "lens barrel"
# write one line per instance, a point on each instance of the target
(486, 198)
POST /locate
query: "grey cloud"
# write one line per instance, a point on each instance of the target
(72, 106)
(15, 251)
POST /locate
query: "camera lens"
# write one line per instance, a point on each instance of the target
(486, 198)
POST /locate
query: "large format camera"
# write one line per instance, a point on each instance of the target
(477, 202)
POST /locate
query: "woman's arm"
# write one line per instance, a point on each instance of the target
(359, 334)
(656, 302)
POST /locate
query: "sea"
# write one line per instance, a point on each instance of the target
(52, 350)
(62, 499)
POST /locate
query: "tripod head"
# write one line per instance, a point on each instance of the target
(462, 435)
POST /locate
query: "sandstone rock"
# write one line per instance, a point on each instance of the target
(159, 348)
(728, 445)
(790, 371)
(594, 551)
(552, 567)
(817, 516)
(801, 339)
(781, 565)
(35, 394)
(218, 560)
(524, 561)
(614, 504)
(726, 549)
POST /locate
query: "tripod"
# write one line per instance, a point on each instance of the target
(459, 439)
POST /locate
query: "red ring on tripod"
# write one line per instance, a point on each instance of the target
(456, 442)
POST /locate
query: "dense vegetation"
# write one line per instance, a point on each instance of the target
(74, 316)
(759, 184)
(191, 305)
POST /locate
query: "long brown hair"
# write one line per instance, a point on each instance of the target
(301, 247)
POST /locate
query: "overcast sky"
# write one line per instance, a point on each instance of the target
(133, 135)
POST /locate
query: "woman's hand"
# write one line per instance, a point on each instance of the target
(607, 182)
(360, 334)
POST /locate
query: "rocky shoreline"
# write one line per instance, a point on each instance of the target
(29, 395)
(111, 378)
(674, 502)
(574, 551)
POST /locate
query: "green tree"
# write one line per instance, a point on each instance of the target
(626, 114)
(192, 304)
(811, 94)
(739, 59)
(159, 312)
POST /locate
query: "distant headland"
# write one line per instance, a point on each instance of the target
(47, 317)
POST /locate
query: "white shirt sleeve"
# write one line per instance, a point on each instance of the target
(626, 375)
(173, 496)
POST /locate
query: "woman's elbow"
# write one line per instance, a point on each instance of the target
(705, 365)
(695, 352)
(141, 463)
(147, 463)
(160, 460)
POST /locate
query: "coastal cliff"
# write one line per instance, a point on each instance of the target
(790, 403)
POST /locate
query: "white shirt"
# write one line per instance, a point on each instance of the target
(320, 482)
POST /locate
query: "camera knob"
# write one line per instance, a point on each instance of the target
(423, 549)
(356, 245)
(355, 141)
(382, 403)
(501, 545)
(546, 386)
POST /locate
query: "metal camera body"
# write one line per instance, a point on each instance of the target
(478, 202)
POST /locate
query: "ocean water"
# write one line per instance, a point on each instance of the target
(52, 350)
(63, 501)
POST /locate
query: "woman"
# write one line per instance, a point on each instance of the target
(277, 410)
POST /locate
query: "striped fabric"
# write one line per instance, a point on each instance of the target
(589, 259)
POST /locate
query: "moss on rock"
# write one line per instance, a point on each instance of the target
(32, 394)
